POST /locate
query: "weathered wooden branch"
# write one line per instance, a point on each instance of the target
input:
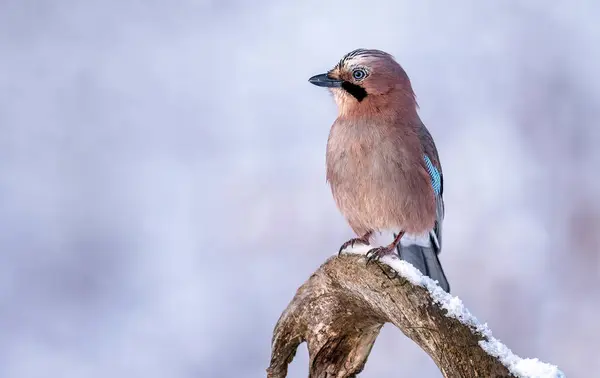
(340, 310)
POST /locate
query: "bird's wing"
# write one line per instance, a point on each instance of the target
(434, 168)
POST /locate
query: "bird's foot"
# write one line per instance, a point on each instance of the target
(350, 243)
(378, 252)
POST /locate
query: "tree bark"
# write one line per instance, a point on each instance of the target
(341, 308)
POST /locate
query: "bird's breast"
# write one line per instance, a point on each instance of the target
(375, 181)
(361, 153)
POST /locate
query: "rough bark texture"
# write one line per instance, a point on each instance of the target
(340, 310)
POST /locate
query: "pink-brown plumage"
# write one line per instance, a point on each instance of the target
(374, 155)
(382, 163)
(378, 178)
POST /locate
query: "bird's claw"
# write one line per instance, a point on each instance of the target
(351, 242)
(377, 253)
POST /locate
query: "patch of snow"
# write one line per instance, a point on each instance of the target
(520, 367)
(358, 249)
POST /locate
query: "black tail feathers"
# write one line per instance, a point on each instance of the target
(426, 260)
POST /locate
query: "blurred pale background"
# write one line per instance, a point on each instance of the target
(162, 184)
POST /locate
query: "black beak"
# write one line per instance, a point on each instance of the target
(325, 81)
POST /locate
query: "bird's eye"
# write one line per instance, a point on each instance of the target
(359, 74)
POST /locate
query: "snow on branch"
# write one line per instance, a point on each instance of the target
(341, 308)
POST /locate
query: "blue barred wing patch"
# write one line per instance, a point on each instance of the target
(436, 180)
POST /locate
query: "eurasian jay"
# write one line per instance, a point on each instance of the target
(382, 164)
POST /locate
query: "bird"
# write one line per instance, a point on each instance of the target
(382, 163)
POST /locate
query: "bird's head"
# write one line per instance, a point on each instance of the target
(367, 79)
